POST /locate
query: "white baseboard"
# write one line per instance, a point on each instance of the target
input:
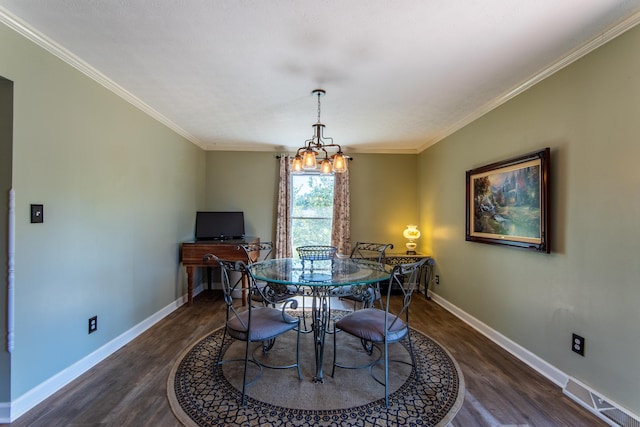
(612, 413)
(9, 412)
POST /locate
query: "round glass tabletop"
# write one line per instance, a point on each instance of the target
(333, 272)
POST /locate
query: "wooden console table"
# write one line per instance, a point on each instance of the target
(394, 258)
(192, 256)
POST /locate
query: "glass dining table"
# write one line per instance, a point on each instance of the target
(321, 280)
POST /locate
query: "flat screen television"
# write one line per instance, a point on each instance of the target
(219, 225)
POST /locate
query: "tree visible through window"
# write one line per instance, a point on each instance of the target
(311, 209)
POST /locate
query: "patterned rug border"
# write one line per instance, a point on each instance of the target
(356, 416)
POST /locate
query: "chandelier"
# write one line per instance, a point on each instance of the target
(306, 158)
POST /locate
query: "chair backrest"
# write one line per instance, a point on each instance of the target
(230, 283)
(269, 294)
(257, 252)
(370, 251)
(406, 278)
(316, 252)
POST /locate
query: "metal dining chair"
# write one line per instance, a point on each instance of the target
(275, 292)
(308, 255)
(261, 323)
(381, 327)
(360, 293)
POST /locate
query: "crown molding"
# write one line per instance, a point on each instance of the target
(55, 49)
(598, 41)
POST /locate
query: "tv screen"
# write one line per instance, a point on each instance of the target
(219, 225)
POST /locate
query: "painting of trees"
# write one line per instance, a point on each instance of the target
(507, 202)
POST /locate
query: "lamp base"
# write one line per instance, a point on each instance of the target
(411, 248)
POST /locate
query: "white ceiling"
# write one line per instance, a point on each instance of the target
(399, 74)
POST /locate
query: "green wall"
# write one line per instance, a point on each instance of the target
(120, 191)
(383, 193)
(384, 190)
(248, 182)
(588, 115)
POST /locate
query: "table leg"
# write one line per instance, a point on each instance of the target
(189, 284)
(209, 278)
(245, 286)
(245, 289)
(425, 272)
(320, 314)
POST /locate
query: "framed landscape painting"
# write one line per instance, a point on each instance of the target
(508, 202)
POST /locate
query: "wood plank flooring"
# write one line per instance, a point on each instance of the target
(129, 387)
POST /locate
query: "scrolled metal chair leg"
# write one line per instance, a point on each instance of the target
(367, 346)
(267, 345)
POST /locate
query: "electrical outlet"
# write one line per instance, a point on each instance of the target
(577, 344)
(437, 279)
(93, 324)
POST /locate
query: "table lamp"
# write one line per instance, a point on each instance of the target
(411, 233)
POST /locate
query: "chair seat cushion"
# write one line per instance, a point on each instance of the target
(266, 323)
(368, 324)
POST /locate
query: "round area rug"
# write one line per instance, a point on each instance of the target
(203, 394)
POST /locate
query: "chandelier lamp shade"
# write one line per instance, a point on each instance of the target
(315, 151)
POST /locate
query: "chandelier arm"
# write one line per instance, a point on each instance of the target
(320, 132)
(309, 144)
(327, 141)
(333, 145)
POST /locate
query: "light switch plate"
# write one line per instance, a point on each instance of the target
(37, 213)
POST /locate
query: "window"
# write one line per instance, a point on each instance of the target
(311, 209)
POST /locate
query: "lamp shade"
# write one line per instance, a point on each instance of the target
(339, 162)
(296, 164)
(411, 232)
(325, 167)
(309, 159)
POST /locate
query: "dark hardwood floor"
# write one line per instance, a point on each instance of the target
(129, 387)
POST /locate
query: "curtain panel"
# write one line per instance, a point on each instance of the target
(283, 222)
(340, 232)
